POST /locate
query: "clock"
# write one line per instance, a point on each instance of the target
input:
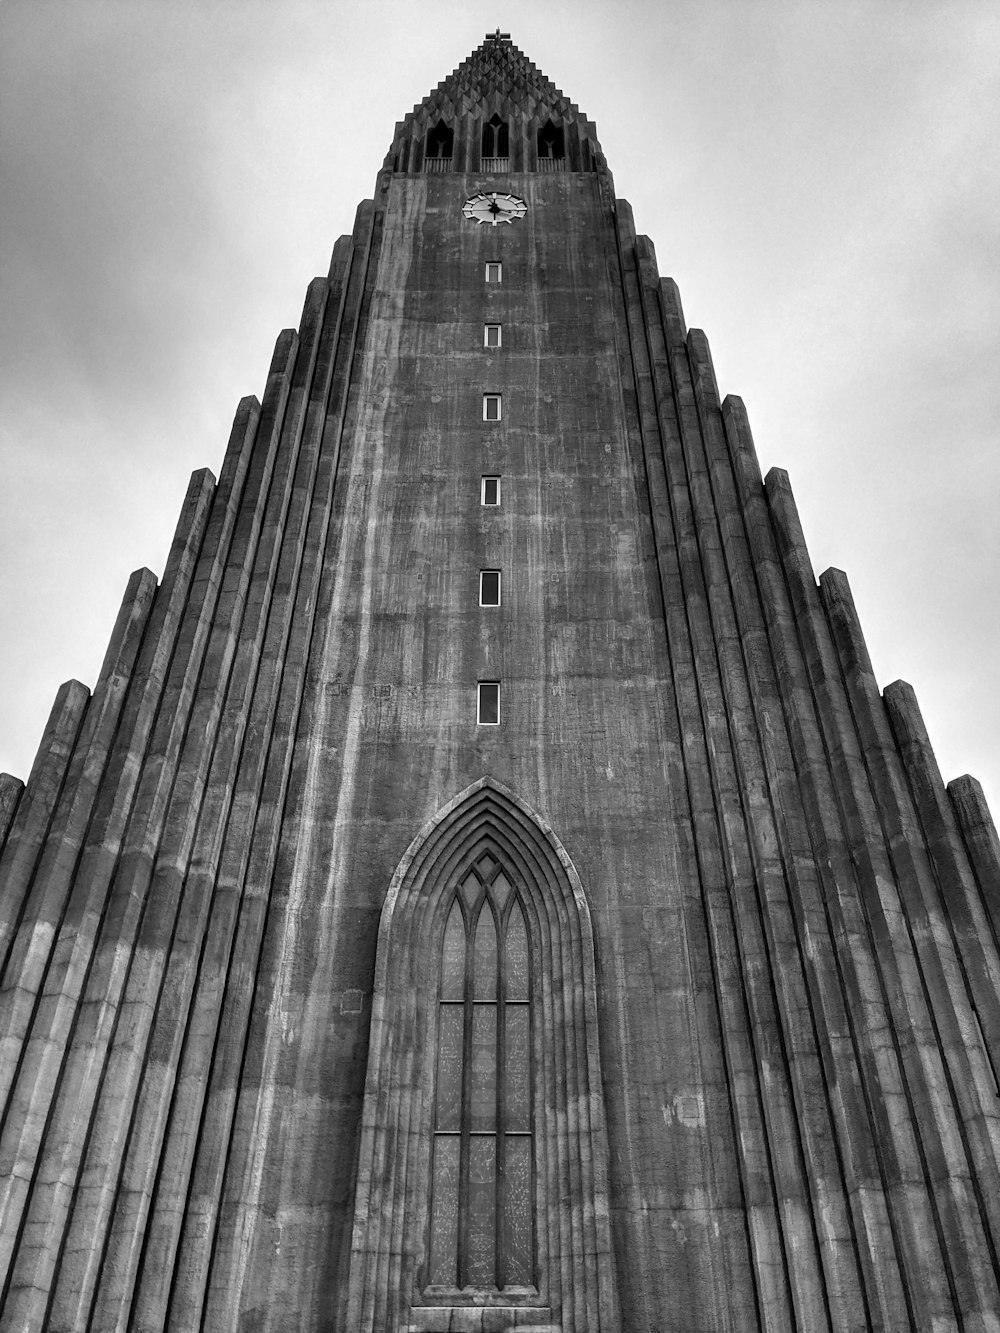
(493, 208)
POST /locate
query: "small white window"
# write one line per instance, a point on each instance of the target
(491, 407)
(488, 704)
(489, 587)
(490, 491)
(491, 335)
(494, 272)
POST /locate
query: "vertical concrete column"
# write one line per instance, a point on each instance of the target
(918, 942)
(809, 834)
(791, 902)
(822, 735)
(744, 1014)
(960, 896)
(93, 1186)
(970, 940)
(254, 1071)
(207, 987)
(10, 794)
(31, 948)
(172, 930)
(218, 1091)
(30, 825)
(981, 842)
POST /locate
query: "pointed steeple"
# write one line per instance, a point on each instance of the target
(445, 131)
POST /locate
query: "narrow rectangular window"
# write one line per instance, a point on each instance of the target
(491, 407)
(490, 492)
(494, 272)
(488, 714)
(489, 587)
(491, 335)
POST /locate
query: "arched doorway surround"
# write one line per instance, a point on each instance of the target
(482, 865)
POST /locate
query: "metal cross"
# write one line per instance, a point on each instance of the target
(498, 36)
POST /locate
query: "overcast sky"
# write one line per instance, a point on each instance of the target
(822, 180)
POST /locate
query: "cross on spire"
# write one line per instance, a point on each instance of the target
(498, 36)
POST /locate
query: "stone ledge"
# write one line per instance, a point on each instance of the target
(480, 1319)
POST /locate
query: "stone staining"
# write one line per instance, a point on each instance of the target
(664, 995)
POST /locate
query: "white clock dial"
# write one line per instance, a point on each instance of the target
(493, 209)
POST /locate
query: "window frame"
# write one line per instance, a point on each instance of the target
(480, 686)
(483, 573)
(494, 264)
(487, 477)
(489, 398)
(478, 898)
(486, 336)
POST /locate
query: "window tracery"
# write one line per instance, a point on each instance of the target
(481, 1231)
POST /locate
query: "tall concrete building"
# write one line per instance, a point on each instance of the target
(486, 888)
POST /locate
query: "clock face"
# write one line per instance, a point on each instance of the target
(492, 209)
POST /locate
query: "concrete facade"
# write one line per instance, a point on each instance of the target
(763, 933)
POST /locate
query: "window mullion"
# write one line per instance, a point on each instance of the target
(501, 1151)
(466, 1113)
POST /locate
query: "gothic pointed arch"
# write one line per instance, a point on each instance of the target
(483, 1191)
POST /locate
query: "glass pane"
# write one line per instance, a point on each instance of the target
(482, 1211)
(453, 957)
(485, 982)
(483, 1107)
(491, 490)
(517, 1106)
(444, 1211)
(489, 587)
(500, 889)
(470, 890)
(449, 1076)
(489, 702)
(516, 955)
(516, 1270)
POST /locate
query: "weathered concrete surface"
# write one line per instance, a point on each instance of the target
(787, 1115)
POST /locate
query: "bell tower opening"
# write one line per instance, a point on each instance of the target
(551, 147)
(495, 145)
(440, 147)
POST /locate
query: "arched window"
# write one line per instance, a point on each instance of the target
(551, 143)
(496, 138)
(440, 141)
(482, 1219)
(482, 1171)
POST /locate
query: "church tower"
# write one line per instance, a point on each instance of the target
(486, 888)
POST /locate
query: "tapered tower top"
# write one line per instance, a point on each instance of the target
(496, 112)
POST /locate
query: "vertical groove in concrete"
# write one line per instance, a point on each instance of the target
(914, 933)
